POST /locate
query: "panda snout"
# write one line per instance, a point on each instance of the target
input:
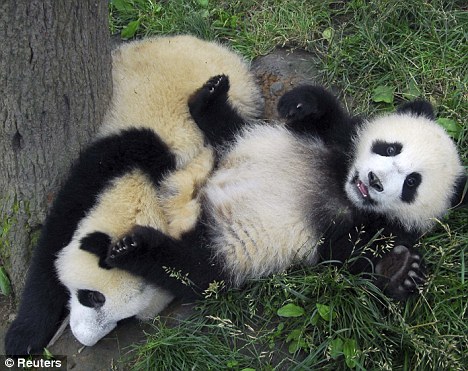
(375, 182)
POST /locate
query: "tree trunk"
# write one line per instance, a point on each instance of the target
(55, 83)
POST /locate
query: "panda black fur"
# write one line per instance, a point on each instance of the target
(324, 187)
(145, 168)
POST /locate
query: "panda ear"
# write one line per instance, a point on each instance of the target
(97, 243)
(460, 197)
(418, 107)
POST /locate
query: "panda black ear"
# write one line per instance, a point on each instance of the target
(97, 243)
(418, 107)
(460, 197)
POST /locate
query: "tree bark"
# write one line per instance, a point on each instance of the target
(55, 83)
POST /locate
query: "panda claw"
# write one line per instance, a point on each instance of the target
(218, 83)
(402, 272)
(122, 247)
(212, 95)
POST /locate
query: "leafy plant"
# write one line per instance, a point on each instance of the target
(383, 94)
(5, 285)
(290, 310)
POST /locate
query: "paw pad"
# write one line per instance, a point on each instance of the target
(215, 83)
(402, 270)
(219, 83)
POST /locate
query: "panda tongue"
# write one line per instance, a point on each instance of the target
(362, 188)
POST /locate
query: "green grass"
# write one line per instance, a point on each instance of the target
(412, 48)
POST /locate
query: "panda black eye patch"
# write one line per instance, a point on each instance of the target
(410, 186)
(91, 299)
(386, 149)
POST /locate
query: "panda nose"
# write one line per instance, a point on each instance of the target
(374, 182)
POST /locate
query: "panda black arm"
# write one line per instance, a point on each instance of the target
(180, 266)
(213, 114)
(313, 110)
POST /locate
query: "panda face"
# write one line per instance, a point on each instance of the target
(382, 179)
(99, 297)
(404, 167)
(94, 314)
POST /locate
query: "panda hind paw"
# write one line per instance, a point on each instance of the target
(402, 272)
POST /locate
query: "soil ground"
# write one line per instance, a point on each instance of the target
(277, 73)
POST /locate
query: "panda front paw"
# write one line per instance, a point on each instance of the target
(124, 246)
(299, 103)
(217, 85)
(401, 272)
(213, 91)
(131, 248)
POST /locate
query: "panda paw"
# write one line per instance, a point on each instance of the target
(215, 89)
(401, 272)
(140, 247)
(299, 103)
(123, 247)
(217, 85)
(132, 247)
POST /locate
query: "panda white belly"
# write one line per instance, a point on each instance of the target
(257, 203)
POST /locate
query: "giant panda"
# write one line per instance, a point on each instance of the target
(323, 187)
(144, 168)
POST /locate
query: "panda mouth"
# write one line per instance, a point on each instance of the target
(362, 188)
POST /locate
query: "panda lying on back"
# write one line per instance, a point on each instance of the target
(325, 186)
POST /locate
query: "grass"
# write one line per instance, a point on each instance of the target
(411, 48)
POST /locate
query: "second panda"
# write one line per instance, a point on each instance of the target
(144, 168)
(324, 187)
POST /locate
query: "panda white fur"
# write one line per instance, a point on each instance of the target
(144, 168)
(323, 187)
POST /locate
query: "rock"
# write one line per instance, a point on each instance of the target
(280, 71)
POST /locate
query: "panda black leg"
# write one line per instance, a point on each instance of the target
(212, 112)
(401, 272)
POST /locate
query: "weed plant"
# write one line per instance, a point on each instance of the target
(378, 53)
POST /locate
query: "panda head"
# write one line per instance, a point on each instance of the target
(405, 167)
(100, 297)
